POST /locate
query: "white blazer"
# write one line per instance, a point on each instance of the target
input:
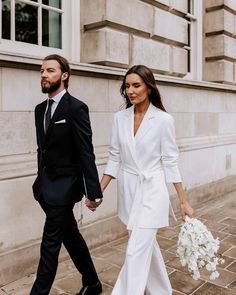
(142, 165)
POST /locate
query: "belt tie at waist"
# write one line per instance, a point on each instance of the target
(138, 200)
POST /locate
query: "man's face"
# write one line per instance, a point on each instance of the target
(51, 76)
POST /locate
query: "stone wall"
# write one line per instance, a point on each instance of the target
(121, 33)
(220, 42)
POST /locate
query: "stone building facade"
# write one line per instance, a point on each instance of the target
(189, 44)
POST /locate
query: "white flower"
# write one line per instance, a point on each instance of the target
(198, 248)
(214, 275)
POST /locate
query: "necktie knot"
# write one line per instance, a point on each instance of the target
(50, 101)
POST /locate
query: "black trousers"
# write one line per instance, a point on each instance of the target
(61, 227)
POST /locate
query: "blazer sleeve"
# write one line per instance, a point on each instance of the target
(83, 140)
(169, 151)
(113, 164)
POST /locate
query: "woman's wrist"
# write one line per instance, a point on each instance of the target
(182, 200)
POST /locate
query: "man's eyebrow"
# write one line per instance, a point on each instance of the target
(48, 69)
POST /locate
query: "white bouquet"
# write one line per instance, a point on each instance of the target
(197, 248)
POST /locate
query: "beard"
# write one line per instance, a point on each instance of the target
(52, 87)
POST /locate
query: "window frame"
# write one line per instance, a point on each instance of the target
(70, 31)
(195, 49)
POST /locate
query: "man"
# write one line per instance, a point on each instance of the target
(66, 171)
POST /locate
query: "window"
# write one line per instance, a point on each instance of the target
(194, 47)
(35, 22)
(39, 27)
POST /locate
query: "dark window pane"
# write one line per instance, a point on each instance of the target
(6, 19)
(26, 23)
(53, 3)
(51, 29)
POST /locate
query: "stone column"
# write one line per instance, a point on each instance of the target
(219, 41)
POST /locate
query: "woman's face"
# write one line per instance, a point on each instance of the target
(136, 89)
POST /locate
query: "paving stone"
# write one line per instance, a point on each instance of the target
(175, 263)
(106, 290)
(23, 290)
(120, 244)
(176, 293)
(215, 226)
(210, 289)
(70, 284)
(184, 283)
(218, 234)
(167, 232)
(232, 286)
(21, 286)
(228, 261)
(230, 230)
(104, 252)
(65, 268)
(167, 256)
(57, 292)
(214, 217)
(230, 239)
(231, 252)
(169, 270)
(117, 259)
(165, 243)
(100, 264)
(109, 258)
(224, 246)
(229, 221)
(232, 267)
(226, 277)
(173, 249)
(109, 276)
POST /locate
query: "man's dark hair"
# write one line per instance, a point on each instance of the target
(64, 65)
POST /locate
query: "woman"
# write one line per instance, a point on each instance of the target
(143, 157)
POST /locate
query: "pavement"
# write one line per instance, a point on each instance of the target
(220, 217)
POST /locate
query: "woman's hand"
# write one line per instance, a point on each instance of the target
(186, 209)
(92, 205)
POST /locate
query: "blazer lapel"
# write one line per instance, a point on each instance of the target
(129, 133)
(60, 108)
(40, 122)
(146, 124)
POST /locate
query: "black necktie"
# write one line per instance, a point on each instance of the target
(48, 114)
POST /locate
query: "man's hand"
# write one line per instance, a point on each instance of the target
(92, 205)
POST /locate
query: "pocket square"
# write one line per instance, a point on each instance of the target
(61, 121)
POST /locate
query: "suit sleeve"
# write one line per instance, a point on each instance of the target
(83, 140)
(169, 151)
(114, 160)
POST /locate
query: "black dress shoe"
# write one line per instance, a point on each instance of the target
(91, 290)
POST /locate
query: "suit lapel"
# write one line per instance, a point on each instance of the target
(146, 124)
(40, 122)
(60, 108)
(129, 132)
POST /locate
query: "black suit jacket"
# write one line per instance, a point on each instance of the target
(66, 161)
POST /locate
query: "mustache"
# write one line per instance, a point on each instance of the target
(44, 80)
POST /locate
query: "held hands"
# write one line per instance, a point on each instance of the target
(186, 209)
(92, 205)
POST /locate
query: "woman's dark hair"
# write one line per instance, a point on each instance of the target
(64, 65)
(146, 74)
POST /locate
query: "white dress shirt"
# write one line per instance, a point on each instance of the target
(56, 100)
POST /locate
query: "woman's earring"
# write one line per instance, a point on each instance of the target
(149, 91)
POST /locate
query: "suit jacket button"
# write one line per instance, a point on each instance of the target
(44, 151)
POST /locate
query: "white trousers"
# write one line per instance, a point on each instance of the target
(144, 268)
